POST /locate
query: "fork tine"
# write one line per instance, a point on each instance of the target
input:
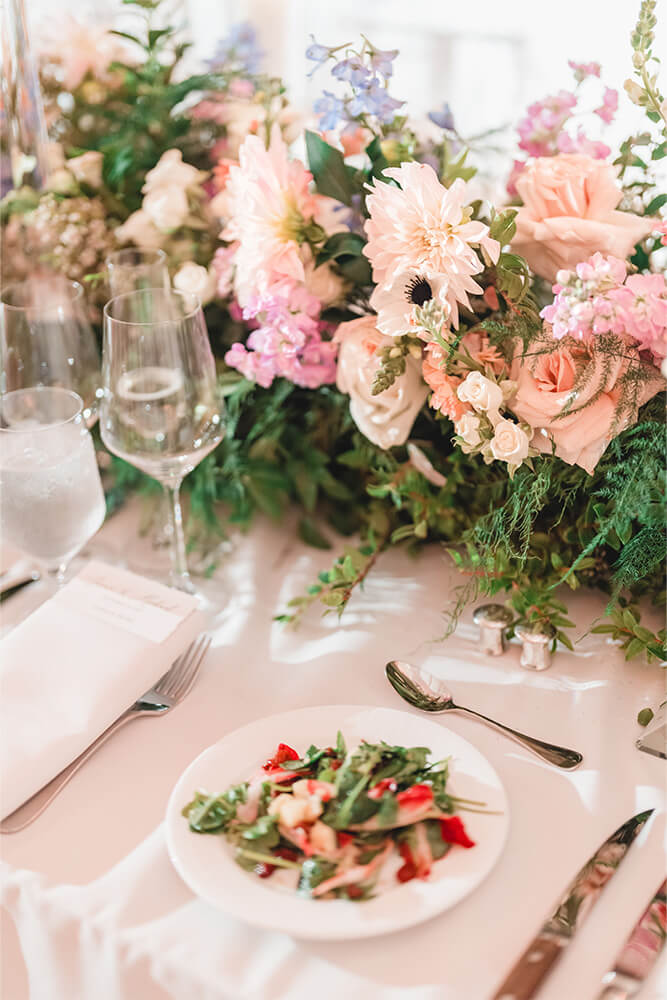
(173, 681)
(169, 680)
(189, 675)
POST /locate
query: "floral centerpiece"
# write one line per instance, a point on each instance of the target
(404, 360)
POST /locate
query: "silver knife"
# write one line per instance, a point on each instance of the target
(544, 951)
(639, 952)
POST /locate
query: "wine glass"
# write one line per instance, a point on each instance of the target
(129, 270)
(134, 268)
(46, 339)
(161, 410)
(51, 499)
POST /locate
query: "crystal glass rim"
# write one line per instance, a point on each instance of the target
(76, 399)
(113, 259)
(75, 288)
(184, 296)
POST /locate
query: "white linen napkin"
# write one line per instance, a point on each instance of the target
(74, 665)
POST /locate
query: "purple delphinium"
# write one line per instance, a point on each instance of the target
(443, 118)
(238, 51)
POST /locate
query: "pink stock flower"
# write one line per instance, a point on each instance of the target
(544, 120)
(582, 144)
(515, 173)
(223, 263)
(286, 341)
(569, 211)
(599, 298)
(443, 398)
(583, 70)
(609, 105)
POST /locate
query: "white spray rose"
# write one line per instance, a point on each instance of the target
(467, 429)
(166, 207)
(509, 443)
(482, 394)
(196, 280)
(87, 168)
(171, 171)
(385, 419)
(140, 230)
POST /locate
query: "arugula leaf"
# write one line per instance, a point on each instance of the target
(314, 871)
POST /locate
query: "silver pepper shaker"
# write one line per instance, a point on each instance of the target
(493, 621)
(536, 641)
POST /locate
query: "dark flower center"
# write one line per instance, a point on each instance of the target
(418, 291)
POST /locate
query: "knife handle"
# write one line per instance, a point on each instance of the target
(531, 969)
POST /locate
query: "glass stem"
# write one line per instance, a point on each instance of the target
(179, 563)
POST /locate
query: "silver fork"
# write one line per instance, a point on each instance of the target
(169, 691)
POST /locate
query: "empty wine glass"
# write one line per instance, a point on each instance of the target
(161, 410)
(134, 268)
(46, 339)
(51, 499)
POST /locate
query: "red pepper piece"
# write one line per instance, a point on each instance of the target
(264, 870)
(409, 869)
(354, 892)
(335, 764)
(386, 785)
(283, 753)
(452, 831)
(418, 795)
(343, 838)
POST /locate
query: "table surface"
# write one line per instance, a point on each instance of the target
(588, 700)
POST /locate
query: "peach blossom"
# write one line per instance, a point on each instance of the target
(569, 211)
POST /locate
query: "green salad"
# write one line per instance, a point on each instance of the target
(337, 817)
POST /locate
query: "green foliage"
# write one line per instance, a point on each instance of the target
(327, 165)
(625, 627)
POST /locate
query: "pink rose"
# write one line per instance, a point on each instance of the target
(569, 211)
(544, 390)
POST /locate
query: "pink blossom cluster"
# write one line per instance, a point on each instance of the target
(286, 342)
(599, 297)
(544, 120)
(583, 70)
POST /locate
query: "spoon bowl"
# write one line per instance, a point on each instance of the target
(430, 694)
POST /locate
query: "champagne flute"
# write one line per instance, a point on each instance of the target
(161, 410)
(51, 499)
(134, 268)
(46, 339)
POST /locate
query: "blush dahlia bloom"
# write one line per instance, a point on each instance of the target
(271, 204)
(423, 230)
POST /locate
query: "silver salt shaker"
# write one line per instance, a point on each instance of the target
(536, 641)
(493, 621)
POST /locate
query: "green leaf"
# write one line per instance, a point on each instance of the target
(656, 204)
(311, 535)
(327, 166)
(645, 716)
(634, 648)
(333, 599)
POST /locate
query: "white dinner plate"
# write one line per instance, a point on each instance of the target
(205, 861)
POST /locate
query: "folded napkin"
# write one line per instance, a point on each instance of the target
(76, 663)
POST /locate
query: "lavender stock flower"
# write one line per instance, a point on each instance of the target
(238, 50)
(382, 60)
(331, 110)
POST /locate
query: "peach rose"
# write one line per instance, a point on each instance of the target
(385, 419)
(544, 390)
(569, 211)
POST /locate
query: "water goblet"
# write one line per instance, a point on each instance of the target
(161, 410)
(46, 339)
(51, 498)
(135, 268)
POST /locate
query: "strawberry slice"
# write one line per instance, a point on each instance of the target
(386, 785)
(415, 797)
(283, 753)
(453, 831)
(409, 869)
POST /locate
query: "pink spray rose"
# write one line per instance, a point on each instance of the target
(545, 389)
(569, 211)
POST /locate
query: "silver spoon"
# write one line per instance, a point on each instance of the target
(431, 695)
